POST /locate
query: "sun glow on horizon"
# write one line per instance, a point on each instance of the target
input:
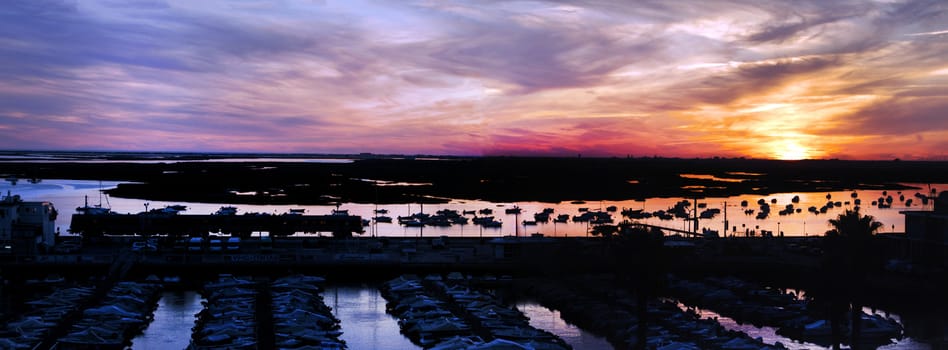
(851, 80)
(790, 150)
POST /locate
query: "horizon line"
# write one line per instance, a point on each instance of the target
(423, 155)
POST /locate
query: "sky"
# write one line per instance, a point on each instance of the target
(758, 78)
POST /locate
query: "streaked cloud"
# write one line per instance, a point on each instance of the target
(703, 78)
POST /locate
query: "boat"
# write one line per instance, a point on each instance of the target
(493, 223)
(541, 217)
(875, 326)
(84, 210)
(412, 223)
(226, 210)
(176, 207)
(709, 213)
(514, 210)
(632, 213)
(482, 219)
(383, 218)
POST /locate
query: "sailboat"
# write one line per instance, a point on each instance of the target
(96, 209)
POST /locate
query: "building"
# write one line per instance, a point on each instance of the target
(926, 235)
(26, 227)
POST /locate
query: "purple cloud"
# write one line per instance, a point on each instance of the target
(461, 77)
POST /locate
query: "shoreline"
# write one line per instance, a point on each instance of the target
(548, 180)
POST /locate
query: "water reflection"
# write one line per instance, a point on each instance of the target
(171, 327)
(175, 161)
(365, 325)
(767, 334)
(69, 194)
(550, 320)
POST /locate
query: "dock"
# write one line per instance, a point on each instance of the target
(240, 225)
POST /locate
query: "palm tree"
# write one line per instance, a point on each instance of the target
(849, 246)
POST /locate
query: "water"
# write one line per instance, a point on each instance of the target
(550, 321)
(23, 159)
(361, 310)
(66, 195)
(365, 325)
(769, 334)
(171, 328)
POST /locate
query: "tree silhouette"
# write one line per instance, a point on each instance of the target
(848, 259)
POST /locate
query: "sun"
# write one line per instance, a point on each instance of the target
(790, 150)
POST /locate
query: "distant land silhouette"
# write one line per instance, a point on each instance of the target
(371, 178)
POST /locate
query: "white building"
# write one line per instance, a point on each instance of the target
(26, 227)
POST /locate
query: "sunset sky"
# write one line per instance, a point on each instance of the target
(769, 79)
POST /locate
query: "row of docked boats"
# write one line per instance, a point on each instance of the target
(441, 218)
(790, 314)
(301, 319)
(122, 314)
(424, 319)
(483, 217)
(486, 313)
(228, 319)
(43, 313)
(239, 310)
(450, 315)
(610, 310)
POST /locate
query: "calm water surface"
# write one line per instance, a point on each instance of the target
(550, 321)
(365, 325)
(171, 328)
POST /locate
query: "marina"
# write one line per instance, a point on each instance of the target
(473, 175)
(455, 274)
(68, 194)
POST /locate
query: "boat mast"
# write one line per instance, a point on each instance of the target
(724, 233)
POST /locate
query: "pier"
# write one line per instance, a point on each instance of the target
(239, 225)
(388, 256)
